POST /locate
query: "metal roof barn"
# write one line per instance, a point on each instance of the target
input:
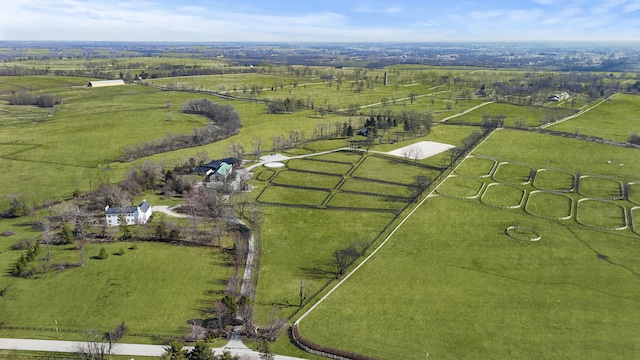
(101, 83)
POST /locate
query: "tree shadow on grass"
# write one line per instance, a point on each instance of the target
(318, 273)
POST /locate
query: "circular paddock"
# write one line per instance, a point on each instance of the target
(522, 233)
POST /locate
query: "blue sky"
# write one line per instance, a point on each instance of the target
(320, 21)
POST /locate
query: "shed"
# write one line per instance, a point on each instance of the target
(102, 83)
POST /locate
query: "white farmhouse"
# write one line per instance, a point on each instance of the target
(132, 215)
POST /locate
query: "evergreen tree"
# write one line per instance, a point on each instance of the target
(200, 352)
(66, 234)
(103, 254)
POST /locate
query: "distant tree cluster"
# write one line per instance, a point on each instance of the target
(282, 106)
(218, 114)
(225, 122)
(25, 98)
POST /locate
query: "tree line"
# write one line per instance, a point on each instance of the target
(26, 98)
(225, 122)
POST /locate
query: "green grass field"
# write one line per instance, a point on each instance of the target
(451, 272)
(502, 195)
(549, 205)
(461, 187)
(601, 214)
(449, 284)
(598, 187)
(476, 166)
(553, 180)
(614, 119)
(366, 201)
(306, 179)
(152, 282)
(319, 166)
(295, 196)
(512, 173)
(375, 188)
(529, 116)
(388, 170)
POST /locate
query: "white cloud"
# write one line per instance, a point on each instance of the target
(604, 7)
(143, 20)
(524, 15)
(572, 11)
(631, 7)
(388, 10)
(486, 15)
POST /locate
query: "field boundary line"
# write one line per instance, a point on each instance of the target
(570, 117)
(297, 322)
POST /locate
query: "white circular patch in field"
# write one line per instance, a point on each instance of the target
(274, 164)
(522, 233)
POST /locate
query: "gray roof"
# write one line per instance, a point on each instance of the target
(121, 210)
(145, 206)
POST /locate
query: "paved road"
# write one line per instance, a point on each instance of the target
(235, 347)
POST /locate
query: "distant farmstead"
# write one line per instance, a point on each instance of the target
(103, 83)
(558, 97)
(133, 215)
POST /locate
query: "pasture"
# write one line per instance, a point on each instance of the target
(614, 119)
(349, 206)
(451, 282)
(139, 287)
(458, 271)
(517, 115)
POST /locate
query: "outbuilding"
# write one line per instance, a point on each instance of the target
(102, 83)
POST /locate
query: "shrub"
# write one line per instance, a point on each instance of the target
(103, 254)
(22, 245)
(120, 251)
